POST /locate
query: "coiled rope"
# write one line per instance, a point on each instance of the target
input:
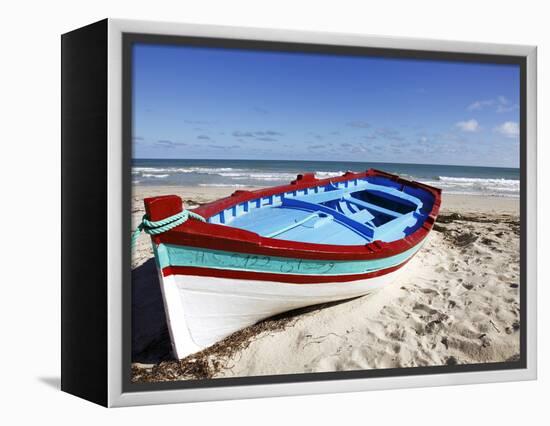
(159, 226)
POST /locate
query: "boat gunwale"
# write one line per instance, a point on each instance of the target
(222, 237)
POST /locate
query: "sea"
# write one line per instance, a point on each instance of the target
(468, 180)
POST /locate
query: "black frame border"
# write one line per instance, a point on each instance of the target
(128, 41)
(84, 146)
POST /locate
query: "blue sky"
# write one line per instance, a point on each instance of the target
(192, 102)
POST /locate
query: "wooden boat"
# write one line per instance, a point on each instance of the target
(260, 253)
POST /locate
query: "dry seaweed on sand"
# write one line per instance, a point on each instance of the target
(464, 239)
(478, 218)
(206, 363)
(463, 236)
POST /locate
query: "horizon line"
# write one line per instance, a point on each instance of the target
(328, 161)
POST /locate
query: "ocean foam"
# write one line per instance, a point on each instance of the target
(325, 175)
(152, 175)
(476, 186)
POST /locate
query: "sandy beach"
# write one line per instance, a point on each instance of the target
(457, 303)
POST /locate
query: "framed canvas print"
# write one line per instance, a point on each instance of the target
(278, 212)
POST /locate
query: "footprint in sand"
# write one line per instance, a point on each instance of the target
(424, 308)
(430, 291)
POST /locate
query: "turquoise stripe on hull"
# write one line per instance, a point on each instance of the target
(170, 255)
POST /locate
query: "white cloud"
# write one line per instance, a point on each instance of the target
(479, 105)
(468, 126)
(504, 105)
(500, 104)
(510, 129)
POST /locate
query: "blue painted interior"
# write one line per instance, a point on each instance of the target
(353, 212)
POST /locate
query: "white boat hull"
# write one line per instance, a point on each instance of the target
(201, 311)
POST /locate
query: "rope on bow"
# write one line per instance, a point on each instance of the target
(159, 226)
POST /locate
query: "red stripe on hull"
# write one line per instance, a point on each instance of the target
(283, 278)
